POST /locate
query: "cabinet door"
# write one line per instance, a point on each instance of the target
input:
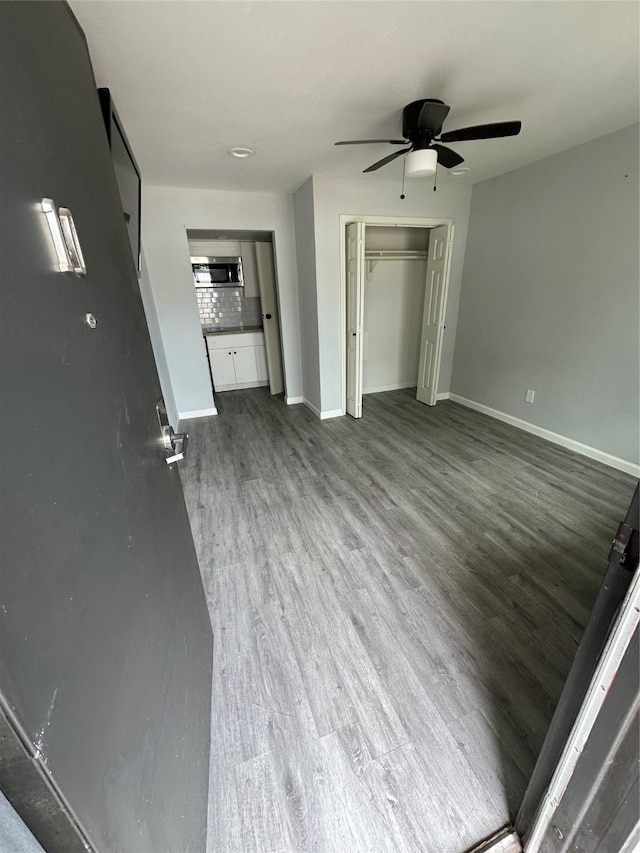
(244, 359)
(214, 248)
(249, 271)
(261, 364)
(222, 370)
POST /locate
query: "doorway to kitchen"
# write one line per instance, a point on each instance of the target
(395, 277)
(236, 290)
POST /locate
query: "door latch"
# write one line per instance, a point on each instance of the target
(621, 545)
(175, 443)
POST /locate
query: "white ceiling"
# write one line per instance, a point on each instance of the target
(288, 79)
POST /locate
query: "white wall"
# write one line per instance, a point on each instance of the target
(156, 342)
(550, 295)
(335, 196)
(396, 238)
(167, 214)
(306, 255)
(393, 306)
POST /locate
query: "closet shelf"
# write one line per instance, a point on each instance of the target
(372, 256)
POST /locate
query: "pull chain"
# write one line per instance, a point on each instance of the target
(435, 177)
(404, 166)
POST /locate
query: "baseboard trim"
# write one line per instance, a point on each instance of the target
(556, 438)
(395, 387)
(335, 413)
(242, 386)
(197, 413)
(445, 395)
(293, 401)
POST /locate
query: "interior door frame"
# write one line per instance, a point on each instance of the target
(231, 232)
(390, 221)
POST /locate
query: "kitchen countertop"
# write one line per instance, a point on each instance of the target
(229, 330)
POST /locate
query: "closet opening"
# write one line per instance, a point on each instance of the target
(395, 285)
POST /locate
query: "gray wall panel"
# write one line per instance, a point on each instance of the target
(550, 295)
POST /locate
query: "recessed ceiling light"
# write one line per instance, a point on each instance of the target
(461, 171)
(241, 153)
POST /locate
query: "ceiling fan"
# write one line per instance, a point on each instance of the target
(421, 127)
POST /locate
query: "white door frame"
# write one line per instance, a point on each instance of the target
(398, 221)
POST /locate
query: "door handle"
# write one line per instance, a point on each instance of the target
(178, 443)
(173, 442)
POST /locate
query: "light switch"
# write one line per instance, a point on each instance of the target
(528, 397)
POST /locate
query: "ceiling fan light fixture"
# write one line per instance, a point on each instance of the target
(421, 163)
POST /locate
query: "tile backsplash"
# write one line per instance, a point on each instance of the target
(224, 307)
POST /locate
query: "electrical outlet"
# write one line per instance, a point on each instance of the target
(528, 397)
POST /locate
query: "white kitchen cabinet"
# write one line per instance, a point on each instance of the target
(214, 248)
(237, 360)
(222, 367)
(244, 362)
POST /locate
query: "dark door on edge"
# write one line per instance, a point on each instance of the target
(105, 640)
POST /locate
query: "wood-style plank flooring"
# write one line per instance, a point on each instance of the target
(395, 604)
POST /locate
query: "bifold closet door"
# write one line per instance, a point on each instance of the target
(433, 317)
(355, 316)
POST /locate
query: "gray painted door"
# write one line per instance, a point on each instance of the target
(105, 643)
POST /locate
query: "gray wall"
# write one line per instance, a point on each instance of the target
(306, 256)
(549, 298)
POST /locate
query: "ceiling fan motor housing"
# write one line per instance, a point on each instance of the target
(422, 120)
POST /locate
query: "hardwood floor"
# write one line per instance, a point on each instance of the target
(395, 605)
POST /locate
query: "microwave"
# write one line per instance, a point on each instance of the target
(217, 272)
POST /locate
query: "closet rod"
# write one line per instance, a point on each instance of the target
(394, 255)
(372, 256)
